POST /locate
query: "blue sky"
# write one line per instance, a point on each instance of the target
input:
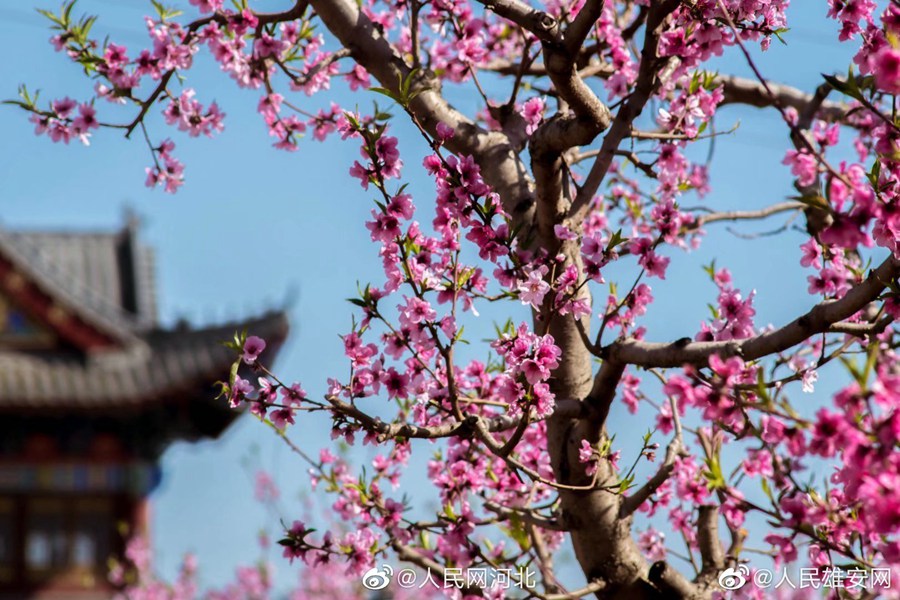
(252, 223)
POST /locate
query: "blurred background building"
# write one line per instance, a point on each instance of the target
(92, 390)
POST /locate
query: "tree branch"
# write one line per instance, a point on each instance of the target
(712, 554)
(591, 115)
(603, 391)
(647, 81)
(739, 215)
(498, 159)
(673, 451)
(592, 588)
(542, 25)
(544, 559)
(581, 26)
(670, 582)
(862, 329)
(567, 408)
(525, 515)
(818, 320)
(634, 501)
(738, 90)
(295, 12)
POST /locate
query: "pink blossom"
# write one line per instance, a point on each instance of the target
(358, 78)
(653, 544)
(240, 389)
(86, 120)
(803, 166)
(830, 433)
(812, 254)
(253, 347)
(63, 108)
(785, 551)
(417, 311)
(265, 489)
(444, 132)
(207, 6)
(534, 288)
(586, 455)
(168, 171)
(266, 45)
(886, 68)
(563, 233)
(189, 115)
(533, 113)
(654, 264)
(810, 376)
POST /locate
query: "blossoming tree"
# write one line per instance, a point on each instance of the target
(562, 173)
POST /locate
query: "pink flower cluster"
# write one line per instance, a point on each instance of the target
(61, 124)
(733, 318)
(530, 357)
(383, 161)
(168, 171)
(188, 114)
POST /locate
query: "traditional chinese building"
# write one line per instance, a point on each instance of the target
(92, 390)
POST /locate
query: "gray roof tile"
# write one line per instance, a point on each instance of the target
(107, 280)
(177, 360)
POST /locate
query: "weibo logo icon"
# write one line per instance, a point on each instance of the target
(734, 578)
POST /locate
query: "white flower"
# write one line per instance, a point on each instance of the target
(810, 376)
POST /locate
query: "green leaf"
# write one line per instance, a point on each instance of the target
(17, 103)
(518, 533)
(385, 92)
(86, 24)
(50, 15)
(408, 82)
(875, 174)
(780, 31)
(617, 239)
(67, 11)
(695, 83)
(761, 390)
(847, 87)
(448, 511)
(232, 375)
(714, 478)
(626, 484)
(813, 200)
(850, 365)
(836, 83)
(351, 118)
(224, 390)
(160, 9)
(870, 364)
(767, 490)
